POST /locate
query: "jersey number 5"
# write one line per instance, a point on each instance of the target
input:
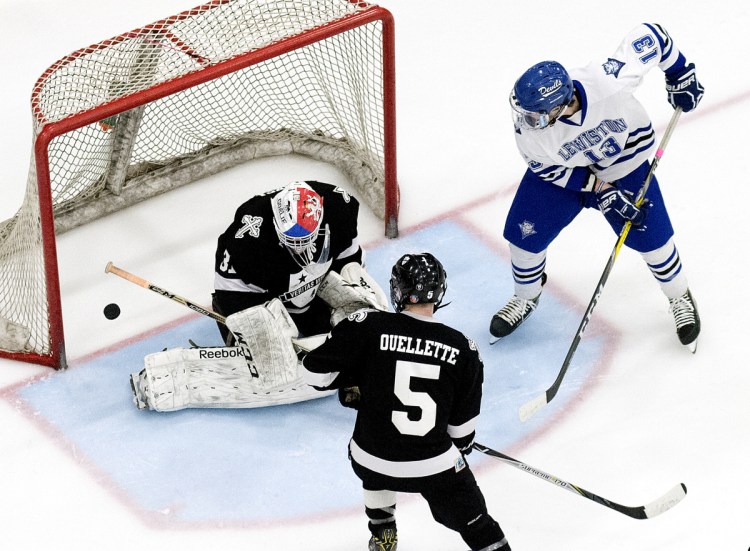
(405, 372)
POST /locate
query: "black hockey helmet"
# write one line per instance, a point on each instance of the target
(417, 279)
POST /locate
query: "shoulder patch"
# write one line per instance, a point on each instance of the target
(343, 193)
(250, 225)
(358, 316)
(613, 67)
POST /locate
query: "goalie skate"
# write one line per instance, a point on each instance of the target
(139, 396)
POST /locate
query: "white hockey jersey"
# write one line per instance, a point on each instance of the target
(611, 134)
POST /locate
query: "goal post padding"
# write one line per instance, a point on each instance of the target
(150, 110)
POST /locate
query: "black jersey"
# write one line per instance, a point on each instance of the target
(250, 258)
(420, 384)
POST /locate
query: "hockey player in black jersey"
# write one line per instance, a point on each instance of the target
(288, 268)
(419, 388)
(282, 244)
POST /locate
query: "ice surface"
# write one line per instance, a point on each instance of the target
(637, 413)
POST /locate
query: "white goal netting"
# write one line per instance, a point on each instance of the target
(155, 108)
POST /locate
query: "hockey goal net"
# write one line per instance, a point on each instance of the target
(152, 109)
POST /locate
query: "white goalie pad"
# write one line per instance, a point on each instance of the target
(351, 290)
(264, 334)
(208, 378)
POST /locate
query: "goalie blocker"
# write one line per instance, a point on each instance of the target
(263, 369)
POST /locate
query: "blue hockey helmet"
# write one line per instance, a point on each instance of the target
(541, 94)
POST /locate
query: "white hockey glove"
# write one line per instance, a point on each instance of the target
(264, 333)
(351, 290)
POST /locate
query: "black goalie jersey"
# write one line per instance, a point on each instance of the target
(420, 384)
(251, 260)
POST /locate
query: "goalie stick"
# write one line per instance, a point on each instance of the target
(112, 269)
(656, 507)
(304, 344)
(534, 405)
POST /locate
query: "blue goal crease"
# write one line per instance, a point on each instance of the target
(290, 462)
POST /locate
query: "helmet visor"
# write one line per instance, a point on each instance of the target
(533, 120)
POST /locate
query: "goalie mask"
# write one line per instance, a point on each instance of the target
(540, 95)
(297, 216)
(417, 279)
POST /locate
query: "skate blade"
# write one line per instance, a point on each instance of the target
(693, 346)
(135, 386)
(494, 339)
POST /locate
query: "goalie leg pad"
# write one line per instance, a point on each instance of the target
(207, 378)
(195, 377)
(264, 334)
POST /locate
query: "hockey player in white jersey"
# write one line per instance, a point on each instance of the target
(587, 142)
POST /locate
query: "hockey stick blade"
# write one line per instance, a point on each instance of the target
(655, 508)
(665, 502)
(532, 406)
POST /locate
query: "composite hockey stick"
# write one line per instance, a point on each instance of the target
(656, 507)
(112, 269)
(532, 406)
(304, 344)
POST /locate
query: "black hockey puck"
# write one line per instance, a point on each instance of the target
(111, 311)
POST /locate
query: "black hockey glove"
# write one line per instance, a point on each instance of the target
(612, 199)
(683, 88)
(465, 444)
(350, 397)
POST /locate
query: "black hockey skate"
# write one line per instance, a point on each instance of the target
(386, 540)
(686, 319)
(510, 316)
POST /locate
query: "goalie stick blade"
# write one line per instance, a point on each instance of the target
(531, 407)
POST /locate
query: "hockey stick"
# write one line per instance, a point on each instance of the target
(304, 344)
(112, 269)
(532, 406)
(656, 507)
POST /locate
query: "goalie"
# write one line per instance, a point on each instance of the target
(288, 268)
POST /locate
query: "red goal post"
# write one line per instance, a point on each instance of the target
(155, 108)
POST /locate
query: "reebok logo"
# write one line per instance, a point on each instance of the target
(210, 353)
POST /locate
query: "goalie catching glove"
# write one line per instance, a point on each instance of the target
(351, 290)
